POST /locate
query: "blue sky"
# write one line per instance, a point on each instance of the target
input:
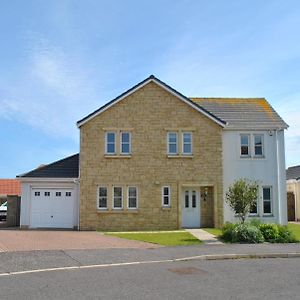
(60, 60)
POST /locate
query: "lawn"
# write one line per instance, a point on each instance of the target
(172, 238)
(215, 231)
(295, 228)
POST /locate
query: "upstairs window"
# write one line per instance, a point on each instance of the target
(125, 143)
(102, 201)
(245, 145)
(132, 197)
(110, 143)
(258, 145)
(187, 143)
(166, 196)
(172, 143)
(267, 200)
(117, 197)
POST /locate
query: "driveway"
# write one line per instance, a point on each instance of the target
(19, 240)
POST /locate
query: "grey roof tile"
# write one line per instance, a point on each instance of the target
(293, 173)
(65, 168)
(243, 113)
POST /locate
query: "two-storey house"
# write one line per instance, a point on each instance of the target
(154, 159)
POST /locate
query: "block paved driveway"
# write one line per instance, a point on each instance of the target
(20, 240)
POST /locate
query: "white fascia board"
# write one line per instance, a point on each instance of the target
(165, 88)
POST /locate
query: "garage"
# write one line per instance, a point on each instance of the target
(50, 195)
(52, 208)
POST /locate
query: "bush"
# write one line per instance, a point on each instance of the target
(246, 233)
(269, 231)
(228, 233)
(255, 222)
(285, 235)
(241, 233)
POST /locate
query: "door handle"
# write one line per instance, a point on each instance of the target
(51, 216)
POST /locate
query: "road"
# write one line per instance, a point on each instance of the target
(224, 279)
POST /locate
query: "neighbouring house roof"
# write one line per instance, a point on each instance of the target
(65, 168)
(10, 187)
(243, 113)
(293, 173)
(162, 84)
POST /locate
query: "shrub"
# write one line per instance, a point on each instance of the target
(285, 235)
(255, 222)
(270, 232)
(241, 233)
(228, 233)
(246, 233)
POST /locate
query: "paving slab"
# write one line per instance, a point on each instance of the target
(204, 236)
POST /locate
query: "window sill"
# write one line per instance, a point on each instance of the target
(180, 156)
(268, 216)
(117, 156)
(166, 207)
(117, 211)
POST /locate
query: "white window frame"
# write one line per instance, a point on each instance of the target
(121, 143)
(168, 143)
(98, 197)
(113, 197)
(182, 137)
(262, 145)
(271, 200)
(163, 195)
(137, 197)
(241, 145)
(106, 143)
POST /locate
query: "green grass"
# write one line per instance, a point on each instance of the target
(295, 228)
(162, 238)
(215, 231)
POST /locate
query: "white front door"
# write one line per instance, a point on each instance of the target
(190, 208)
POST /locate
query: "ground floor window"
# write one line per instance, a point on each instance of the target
(132, 197)
(117, 197)
(267, 200)
(253, 209)
(102, 201)
(166, 196)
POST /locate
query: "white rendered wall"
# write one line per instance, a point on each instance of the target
(265, 170)
(26, 189)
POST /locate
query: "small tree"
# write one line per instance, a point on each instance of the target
(241, 196)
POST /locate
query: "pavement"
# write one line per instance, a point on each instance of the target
(31, 240)
(204, 236)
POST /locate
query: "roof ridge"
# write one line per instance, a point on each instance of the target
(215, 98)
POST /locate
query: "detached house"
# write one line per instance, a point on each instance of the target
(154, 159)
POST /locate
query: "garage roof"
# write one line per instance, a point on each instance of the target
(65, 168)
(293, 172)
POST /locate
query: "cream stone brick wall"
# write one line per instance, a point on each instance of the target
(149, 113)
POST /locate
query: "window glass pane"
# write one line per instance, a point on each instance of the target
(187, 148)
(244, 140)
(110, 137)
(110, 148)
(166, 200)
(194, 199)
(267, 207)
(117, 202)
(253, 209)
(244, 150)
(125, 148)
(257, 140)
(187, 138)
(68, 194)
(103, 202)
(258, 150)
(117, 191)
(125, 137)
(132, 202)
(266, 193)
(132, 191)
(103, 192)
(172, 137)
(36, 193)
(58, 194)
(186, 198)
(172, 148)
(166, 190)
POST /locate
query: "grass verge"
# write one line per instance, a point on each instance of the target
(215, 231)
(295, 228)
(161, 238)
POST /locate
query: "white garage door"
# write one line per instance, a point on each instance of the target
(52, 208)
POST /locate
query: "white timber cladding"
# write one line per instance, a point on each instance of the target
(34, 189)
(268, 169)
